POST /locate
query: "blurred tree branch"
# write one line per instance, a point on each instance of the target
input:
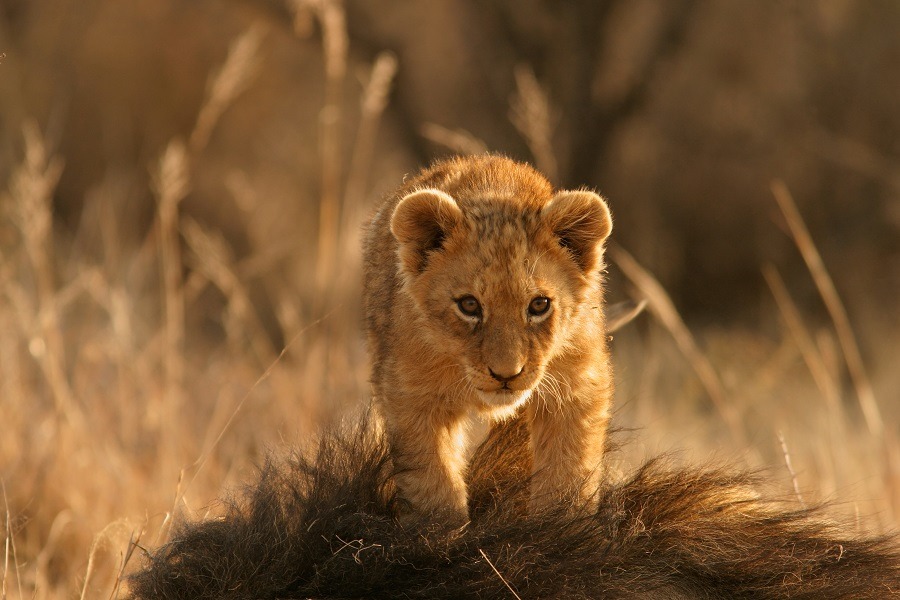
(594, 129)
(566, 44)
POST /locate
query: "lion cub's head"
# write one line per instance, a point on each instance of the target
(502, 271)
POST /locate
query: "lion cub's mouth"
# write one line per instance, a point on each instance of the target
(504, 398)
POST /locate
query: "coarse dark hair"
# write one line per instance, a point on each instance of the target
(323, 527)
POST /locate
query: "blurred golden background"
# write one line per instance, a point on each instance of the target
(182, 185)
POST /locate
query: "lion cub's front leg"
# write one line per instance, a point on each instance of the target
(428, 453)
(568, 437)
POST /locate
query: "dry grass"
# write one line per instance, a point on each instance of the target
(119, 413)
(835, 307)
(456, 140)
(660, 304)
(533, 117)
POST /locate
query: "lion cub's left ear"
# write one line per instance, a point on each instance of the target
(582, 222)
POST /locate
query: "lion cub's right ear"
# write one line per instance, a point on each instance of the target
(420, 223)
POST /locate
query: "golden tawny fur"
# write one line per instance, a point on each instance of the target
(483, 290)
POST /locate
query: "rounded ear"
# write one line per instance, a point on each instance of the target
(581, 222)
(421, 221)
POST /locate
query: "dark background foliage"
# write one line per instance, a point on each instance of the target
(681, 112)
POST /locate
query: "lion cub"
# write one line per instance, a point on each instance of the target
(483, 289)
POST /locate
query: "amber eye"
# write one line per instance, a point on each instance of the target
(538, 306)
(469, 306)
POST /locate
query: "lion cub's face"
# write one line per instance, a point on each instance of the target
(499, 284)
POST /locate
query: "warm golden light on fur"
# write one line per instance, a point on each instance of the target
(481, 289)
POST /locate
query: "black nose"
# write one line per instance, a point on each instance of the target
(505, 378)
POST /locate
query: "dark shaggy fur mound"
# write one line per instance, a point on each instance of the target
(323, 528)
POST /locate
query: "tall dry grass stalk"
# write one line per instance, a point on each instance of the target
(332, 21)
(374, 101)
(30, 197)
(790, 468)
(133, 544)
(342, 194)
(531, 113)
(172, 184)
(98, 545)
(661, 306)
(355, 205)
(835, 307)
(503, 579)
(230, 81)
(456, 140)
(9, 550)
(822, 375)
